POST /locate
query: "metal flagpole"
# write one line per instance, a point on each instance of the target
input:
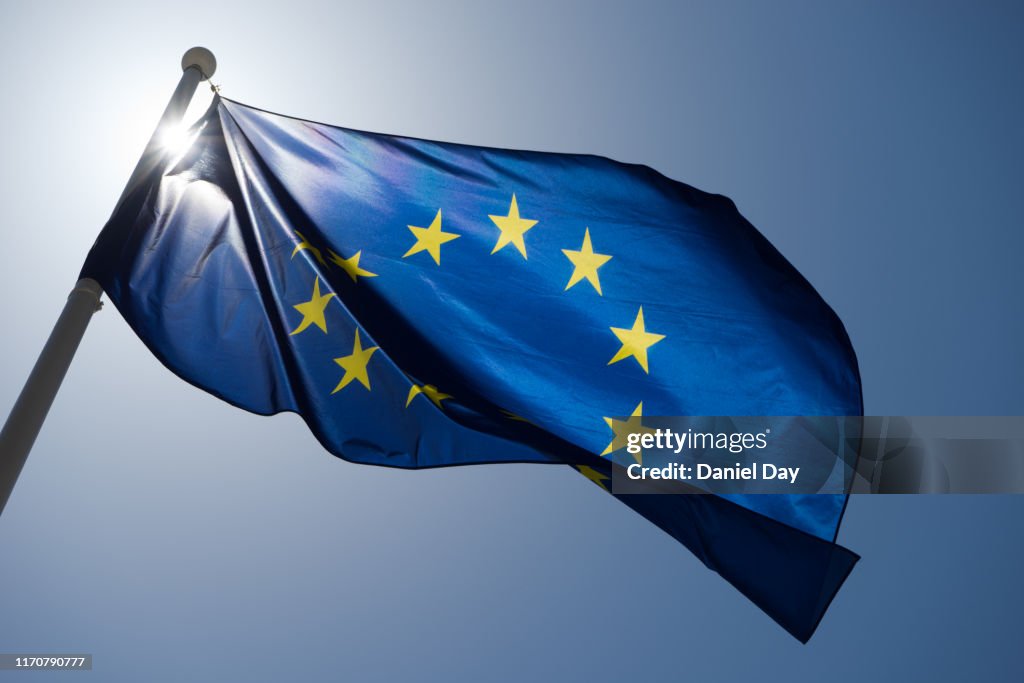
(29, 411)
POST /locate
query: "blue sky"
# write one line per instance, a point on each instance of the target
(877, 145)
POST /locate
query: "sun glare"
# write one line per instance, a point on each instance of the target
(174, 139)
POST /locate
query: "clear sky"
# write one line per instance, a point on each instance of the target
(878, 145)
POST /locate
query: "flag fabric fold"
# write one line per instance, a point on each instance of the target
(425, 304)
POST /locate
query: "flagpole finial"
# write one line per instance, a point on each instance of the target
(202, 59)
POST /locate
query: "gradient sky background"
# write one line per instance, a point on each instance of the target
(878, 145)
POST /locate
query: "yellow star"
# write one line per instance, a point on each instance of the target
(622, 429)
(430, 239)
(428, 390)
(635, 341)
(355, 365)
(586, 263)
(512, 229)
(313, 310)
(593, 475)
(351, 265)
(512, 416)
(304, 244)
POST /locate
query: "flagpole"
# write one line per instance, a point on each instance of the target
(30, 409)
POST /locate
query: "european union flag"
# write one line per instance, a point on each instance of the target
(423, 304)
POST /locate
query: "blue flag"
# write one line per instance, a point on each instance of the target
(423, 304)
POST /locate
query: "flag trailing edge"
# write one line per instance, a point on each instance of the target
(425, 304)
